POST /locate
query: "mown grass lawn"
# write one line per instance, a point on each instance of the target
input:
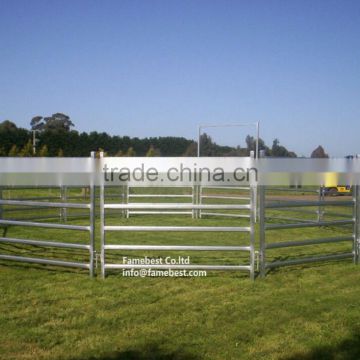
(294, 314)
(300, 312)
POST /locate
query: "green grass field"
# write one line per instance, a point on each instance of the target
(299, 312)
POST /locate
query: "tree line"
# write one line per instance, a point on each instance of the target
(55, 136)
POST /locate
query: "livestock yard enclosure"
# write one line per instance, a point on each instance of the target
(302, 242)
(219, 228)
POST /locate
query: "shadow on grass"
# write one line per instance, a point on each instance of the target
(150, 352)
(348, 349)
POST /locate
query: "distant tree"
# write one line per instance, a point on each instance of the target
(2, 151)
(37, 123)
(319, 152)
(27, 150)
(278, 150)
(55, 122)
(56, 133)
(11, 135)
(251, 145)
(120, 153)
(191, 150)
(152, 152)
(14, 151)
(60, 153)
(131, 151)
(8, 125)
(168, 145)
(43, 151)
(207, 145)
(238, 151)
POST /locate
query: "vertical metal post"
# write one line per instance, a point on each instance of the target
(358, 224)
(356, 218)
(61, 215)
(127, 200)
(1, 206)
(262, 238)
(102, 221)
(252, 224)
(255, 156)
(257, 139)
(123, 199)
(34, 141)
(92, 218)
(198, 187)
(63, 196)
(193, 199)
(262, 213)
(320, 211)
(199, 202)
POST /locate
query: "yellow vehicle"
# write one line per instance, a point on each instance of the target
(332, 189)
(337, 190)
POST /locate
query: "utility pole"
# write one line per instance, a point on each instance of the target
(34, 141)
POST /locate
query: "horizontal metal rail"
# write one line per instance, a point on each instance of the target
(287, 198)
(71, 197)
(308, 242)
(44, 243)
(44, 225)
(290, 219)
(314, 224)
(37, 198)
(41, 187)
(179, 228)
(225, 214)
(47, 217)
(25, 209)
(287, 204)
(69, 215)
(176, 206)
(226, 187)
(308, 260)
(180, 267)
(166, 187)
(45, 204)
(45, 261)
(303, 211)
(299, 190)
(176, 247)
(325, 212)
(159, 196)
(224, 197)
(138, 212)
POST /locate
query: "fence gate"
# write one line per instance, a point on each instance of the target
(147, 207)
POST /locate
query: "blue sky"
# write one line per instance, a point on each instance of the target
(157, 68)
